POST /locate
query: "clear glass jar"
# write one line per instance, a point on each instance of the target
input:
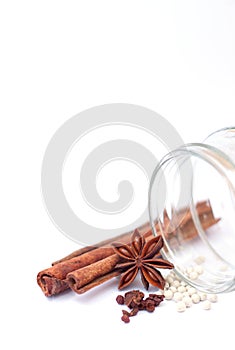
(192, 204)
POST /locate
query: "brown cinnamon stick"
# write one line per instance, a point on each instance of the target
(183, 225)
(98, 281)
(53, 280)
(92, 275)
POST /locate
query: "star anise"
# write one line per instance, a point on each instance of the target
(144, 257)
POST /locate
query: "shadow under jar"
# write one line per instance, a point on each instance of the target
(192, 204)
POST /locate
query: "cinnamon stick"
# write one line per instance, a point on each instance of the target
(184, 227)
(98, 281)
(92, 275)
(53, 280)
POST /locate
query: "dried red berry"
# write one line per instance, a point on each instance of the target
(133, 298)
(136, 302)
(120, 299)
(150, 307)
(125, 318)
(126, 312)
(156, 298)
(134, 311)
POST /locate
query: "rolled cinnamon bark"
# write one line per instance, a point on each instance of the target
(53, 280)
(184, 225)
(90, 276)
(98, 281)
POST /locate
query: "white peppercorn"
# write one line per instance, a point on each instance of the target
(191, 291)
(212, 298)
(193, 275)
(198, 269)
(189, 270)
(176, 283)
(178, 296)
(166, 285)
(200, 259)
(168, 294)
(180, 306)
(206, 305)
(181, 289)
(188, 301)
(184, 284)
(195, 298)
(169, 279)
(202, 296)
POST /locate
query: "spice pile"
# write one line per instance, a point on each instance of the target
(136, 302)
(185, 295)
(126, 256)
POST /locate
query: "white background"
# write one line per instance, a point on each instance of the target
(57, 59)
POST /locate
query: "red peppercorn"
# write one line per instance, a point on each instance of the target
(125, 318)
(120, 299)
(136, 302)
(150, 307)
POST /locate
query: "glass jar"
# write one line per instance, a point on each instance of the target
(192, 204)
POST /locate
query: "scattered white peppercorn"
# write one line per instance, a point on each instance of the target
(198, 269)
(172, 274)
(176, 283)
(184, 294)
(177, 278)
(189, 270)
(178, 296)
(200, 259)
(181, 289)
(180, 306)
(188, 301)
(170, 279)
(206, 305)
(212, 298)
(191, 291)
(166, 285)
(195, 298)
(193, 275)
(202, 296)
(168, 294)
